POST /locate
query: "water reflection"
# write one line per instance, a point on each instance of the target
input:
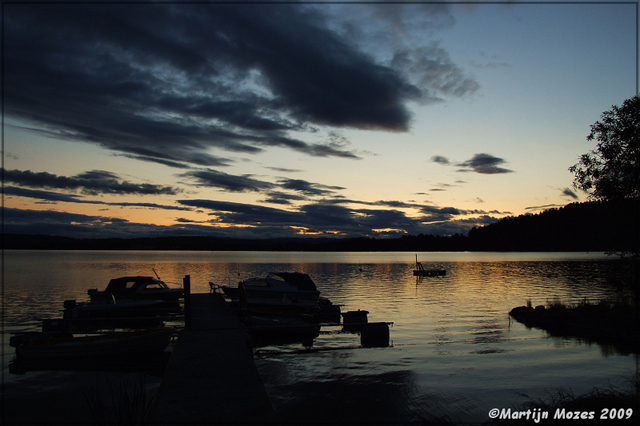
(454, 349)
(367, 399)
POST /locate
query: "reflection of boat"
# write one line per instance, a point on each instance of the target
(79, 325)
(136, 288)
(48, 346)
(130, 308)
(278, 289)
(421, 272)
(267, 330)
(154, 364)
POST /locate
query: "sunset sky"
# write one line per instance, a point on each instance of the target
(280, 120)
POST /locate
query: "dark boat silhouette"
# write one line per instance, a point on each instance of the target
(136, 288)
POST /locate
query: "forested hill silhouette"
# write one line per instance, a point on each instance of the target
(589, 226)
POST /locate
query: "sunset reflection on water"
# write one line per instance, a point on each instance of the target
(454, 350)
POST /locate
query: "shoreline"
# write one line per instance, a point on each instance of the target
(614, 324)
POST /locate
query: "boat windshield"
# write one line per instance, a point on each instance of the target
(155, 286)
(302, 281)
(277, 278)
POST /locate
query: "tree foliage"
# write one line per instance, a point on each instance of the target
(612, 170)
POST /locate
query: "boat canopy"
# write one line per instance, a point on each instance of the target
(300, 280)
(132, 284)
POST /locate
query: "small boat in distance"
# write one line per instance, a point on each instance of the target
(421, 272)
(278, 289)
(136, 288)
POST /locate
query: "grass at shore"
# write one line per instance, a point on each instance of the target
(125, 402)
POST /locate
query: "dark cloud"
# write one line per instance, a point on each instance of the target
(388, 219)
(329, 150)
(42, 195)
(395, 204)
(569, 193)
(440, 159)
(174, 164)
(479, 163)
(18, 221)
(92, 183)
(184, 220)
(233, 183)
(277, 197)
(284, 170)
(544, 207)
(313, 216)
(251, 221)
(331, 217)
(215, 179)
(246, 214)
(32, 222)
(149, 206)
(439, 214)
(170, 82)
(432, 68)
(54, 197)
(308, 188)
(442, 187)
(484, 164)
(429, 213)
(441, 210)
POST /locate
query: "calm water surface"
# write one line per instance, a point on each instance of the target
(454, 350)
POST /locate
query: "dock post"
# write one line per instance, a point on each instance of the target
(187, 301)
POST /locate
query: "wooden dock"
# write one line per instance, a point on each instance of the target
(211, 377)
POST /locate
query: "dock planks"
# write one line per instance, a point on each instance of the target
(211, 377)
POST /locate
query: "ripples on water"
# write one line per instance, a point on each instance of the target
(454, 351)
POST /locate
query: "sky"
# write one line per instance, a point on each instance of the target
(303, 119)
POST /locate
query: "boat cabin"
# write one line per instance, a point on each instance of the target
(300, 280)
(136, 287)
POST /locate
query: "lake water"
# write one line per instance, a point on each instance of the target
(454, 350)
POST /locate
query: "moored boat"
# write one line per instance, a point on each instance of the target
(429, 272)
(126, 308)
(136, 288)
(49, 346)
(85, 325)
(278, 289)
(421, 272)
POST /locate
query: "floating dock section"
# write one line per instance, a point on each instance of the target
(211, 377)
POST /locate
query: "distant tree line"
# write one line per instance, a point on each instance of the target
(590, 226)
